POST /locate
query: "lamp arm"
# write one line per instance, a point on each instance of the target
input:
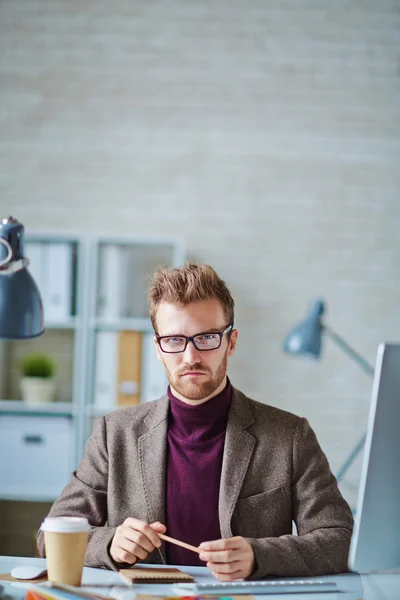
(350, 459)
(366, 367)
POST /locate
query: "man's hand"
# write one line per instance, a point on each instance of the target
(134, 540)
(228, 559)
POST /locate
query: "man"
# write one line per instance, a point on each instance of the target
(205, 463)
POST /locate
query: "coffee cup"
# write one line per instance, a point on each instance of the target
(65, 540)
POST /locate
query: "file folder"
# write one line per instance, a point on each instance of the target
(129, 367)
(105, 386)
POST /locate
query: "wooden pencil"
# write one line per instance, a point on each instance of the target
(166, 538)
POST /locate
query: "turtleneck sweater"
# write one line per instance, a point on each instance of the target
(196, 436)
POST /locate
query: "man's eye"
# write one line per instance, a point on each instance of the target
(206, 337)
(173, 340)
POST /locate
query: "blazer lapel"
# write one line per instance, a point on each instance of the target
(152, 460)
(238, 450)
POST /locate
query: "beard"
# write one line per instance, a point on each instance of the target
(197, 390)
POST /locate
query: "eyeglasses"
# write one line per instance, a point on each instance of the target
(172, 344)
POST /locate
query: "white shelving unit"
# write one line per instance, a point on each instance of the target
(41, 441)
(108, 288)
(109, 317)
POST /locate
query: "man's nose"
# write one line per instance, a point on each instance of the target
(191, 355)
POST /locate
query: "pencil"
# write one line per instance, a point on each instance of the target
(166, 538)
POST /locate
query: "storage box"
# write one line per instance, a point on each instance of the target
(35, 456)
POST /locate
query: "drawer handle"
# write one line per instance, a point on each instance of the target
(33, 439)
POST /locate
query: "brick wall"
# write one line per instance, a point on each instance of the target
(266, 134)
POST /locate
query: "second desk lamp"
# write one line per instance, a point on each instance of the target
(306, 338)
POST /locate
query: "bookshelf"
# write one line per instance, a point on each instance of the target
(97, 326)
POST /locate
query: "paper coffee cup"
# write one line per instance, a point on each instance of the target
(65, 540)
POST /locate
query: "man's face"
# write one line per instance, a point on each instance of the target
(195, 375)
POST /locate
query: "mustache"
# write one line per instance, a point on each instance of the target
(194, 367)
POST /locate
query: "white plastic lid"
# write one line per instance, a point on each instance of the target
(65, 524)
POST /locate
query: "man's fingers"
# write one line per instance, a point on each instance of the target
(121, 555)
(222, 556)
(139, 540)
(224, 568)
(133, 549)
(223, 544)
(136, 545)
(135, 539)
(143, 528)
(158, 527)
(228, 559)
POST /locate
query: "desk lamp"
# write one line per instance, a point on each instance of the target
(306, 338)
(21, 308)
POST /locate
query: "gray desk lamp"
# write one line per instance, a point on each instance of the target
(21, 308)
(305, 338)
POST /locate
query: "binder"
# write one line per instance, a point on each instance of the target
(114, 279)
(125, 282)
(58, 291)
(105, 383)
(35, 251)
(139, 273)
(154, 379)
(129, 367)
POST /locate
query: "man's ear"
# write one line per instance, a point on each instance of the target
(157, 345)
(232, 342)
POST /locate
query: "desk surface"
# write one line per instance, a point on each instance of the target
(350, 586)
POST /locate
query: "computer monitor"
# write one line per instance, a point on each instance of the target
(375, 544)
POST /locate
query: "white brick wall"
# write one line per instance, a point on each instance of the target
(267, 134)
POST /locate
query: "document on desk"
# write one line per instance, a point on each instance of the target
(266, 586)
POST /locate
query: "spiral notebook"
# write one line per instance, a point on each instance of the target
(156, 575)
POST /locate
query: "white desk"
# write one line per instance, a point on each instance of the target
(350, 587)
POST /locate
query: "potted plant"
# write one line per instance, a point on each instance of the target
(37, 378)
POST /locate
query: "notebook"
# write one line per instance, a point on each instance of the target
(156, 575)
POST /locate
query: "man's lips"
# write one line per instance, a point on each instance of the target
(193, 373)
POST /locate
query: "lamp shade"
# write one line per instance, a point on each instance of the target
(306, 337)
(21, 308)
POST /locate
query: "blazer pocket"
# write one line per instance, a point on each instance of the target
(267, 514)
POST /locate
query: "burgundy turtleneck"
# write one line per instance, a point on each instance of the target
(196, 435)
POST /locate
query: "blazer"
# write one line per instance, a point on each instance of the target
(273, 472)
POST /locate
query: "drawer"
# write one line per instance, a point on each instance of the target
(35, 456)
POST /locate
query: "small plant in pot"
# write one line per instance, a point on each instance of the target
(37, 378)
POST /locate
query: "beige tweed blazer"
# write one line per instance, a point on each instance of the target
(273, 472)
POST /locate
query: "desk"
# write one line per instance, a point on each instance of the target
(350, 586)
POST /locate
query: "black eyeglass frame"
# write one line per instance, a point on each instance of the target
(226, 331)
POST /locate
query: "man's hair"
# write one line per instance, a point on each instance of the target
(181, 286)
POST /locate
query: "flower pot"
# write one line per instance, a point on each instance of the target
(37, 390)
